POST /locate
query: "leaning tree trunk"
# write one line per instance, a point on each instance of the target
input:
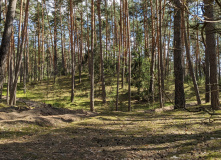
(6, 38)
(190, 63)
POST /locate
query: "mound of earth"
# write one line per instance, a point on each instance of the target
(40, 114)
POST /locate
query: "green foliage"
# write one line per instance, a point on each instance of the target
(109, 67)
(2, 105)
(141, 75)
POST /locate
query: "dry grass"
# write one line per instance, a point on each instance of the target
(141, 134)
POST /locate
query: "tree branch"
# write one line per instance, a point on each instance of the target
(218, 3)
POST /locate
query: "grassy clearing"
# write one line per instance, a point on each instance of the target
(115, 135)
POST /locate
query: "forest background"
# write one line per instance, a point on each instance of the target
(126, 55)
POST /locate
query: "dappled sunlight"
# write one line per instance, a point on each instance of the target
(144, 133)
(122, 134)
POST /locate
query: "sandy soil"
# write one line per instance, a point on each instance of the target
(40, 114)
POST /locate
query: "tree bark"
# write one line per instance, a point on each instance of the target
(101, 53)
(18, 66)
(92, 58)
(55, 41)
(161, 53)
(211, 50)
(196, 89)
(106, 29)
(151, 88)
(39, 45)
(9, 70)
(43, 43)
(118, 63)
(0, 11)
(72, 52)
(35, 62)
(130, 58)
(81, 48)
(20, 28)
(178, 65)
(64, 69)
(6, 38)
(218, 57)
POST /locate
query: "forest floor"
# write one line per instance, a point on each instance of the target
(35, 129)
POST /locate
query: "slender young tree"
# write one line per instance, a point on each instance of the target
(101, 53)
(159, 49)
(88, 39)
(55, 40)
(50, 30)
(161, 10)
(42, 41)
(122, 33)
(151, 88)
(92, 58)
(35, 61)
(39, 43)
(106, 28)
(0, 11)
(24, 64)
(118, 63)
(64, 70)
(81, 47)
(9, 70)
(130, 59)
(196, 89)
(217, 41)
(20, 26)
(72, 52)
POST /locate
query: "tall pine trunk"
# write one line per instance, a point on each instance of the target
(39, 45)
(211, 51)
(178, 65)
(101, 53)
(130, 59)
(43, 44)
(72, 52)
(19, 61)
(64, 67)
(6, 39)
(92, 58)
(151, 88)
(55, 41)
